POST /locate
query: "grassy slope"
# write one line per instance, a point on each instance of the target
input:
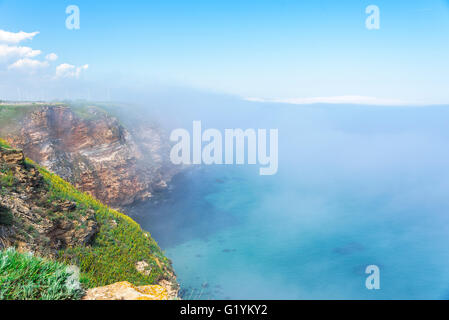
(10, 113)
(116, 249)
(118, 246)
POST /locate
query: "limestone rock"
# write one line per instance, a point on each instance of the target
(127, 291)
(143, 268)
(172, 288)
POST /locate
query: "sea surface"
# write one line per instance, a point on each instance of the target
(355, 188)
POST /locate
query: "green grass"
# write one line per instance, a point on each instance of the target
(4, 144)
(24, 277)
(7, 179)
(84, 110)
(117, 247)
(10, 113)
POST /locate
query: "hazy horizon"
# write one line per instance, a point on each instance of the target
(290, 51)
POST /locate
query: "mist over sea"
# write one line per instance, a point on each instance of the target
(356, 186)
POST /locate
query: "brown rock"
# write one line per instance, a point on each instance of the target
(12, 157)
(34, 223)
(96, 153)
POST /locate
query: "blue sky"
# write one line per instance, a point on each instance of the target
(280, 50)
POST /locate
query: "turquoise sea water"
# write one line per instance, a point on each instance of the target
(346, 196)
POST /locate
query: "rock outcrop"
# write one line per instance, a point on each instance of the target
(127, 291)
(30, 219)
(95, 152)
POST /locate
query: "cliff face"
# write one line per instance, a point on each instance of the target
(95, 152)
(30, 218)
(43, 214)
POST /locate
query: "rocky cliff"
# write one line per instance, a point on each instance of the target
(94, 151)
(30, 218)
(43, 214)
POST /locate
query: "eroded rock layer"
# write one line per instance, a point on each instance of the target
(95, 152)
(30, 218)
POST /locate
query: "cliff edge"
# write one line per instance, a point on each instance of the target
(43, 214)
(92, 150)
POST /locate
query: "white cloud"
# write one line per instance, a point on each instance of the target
(16, 37)
(336, 100)
(28, 64)
(15, 58)
(66, 70)
(51, 57)
(13, 52)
